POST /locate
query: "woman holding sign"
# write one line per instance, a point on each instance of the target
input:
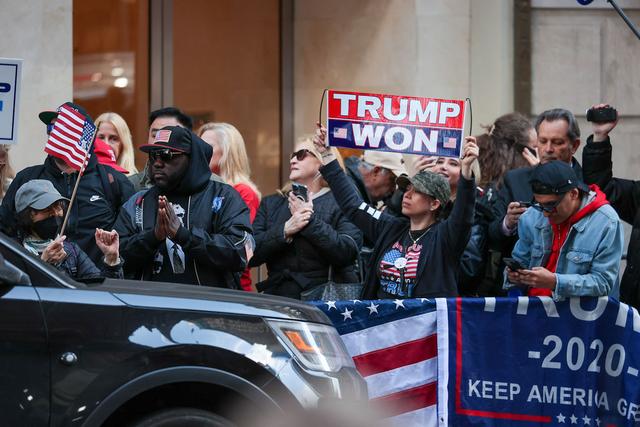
(418, 256)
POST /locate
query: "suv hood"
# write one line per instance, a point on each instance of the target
(204, 298)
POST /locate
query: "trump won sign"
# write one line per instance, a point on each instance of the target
(400, 124)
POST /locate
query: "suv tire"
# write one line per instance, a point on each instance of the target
(183, 417)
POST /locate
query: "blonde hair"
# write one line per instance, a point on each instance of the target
(6, 171)
(234, 162)
(306, 141)
(126, 159)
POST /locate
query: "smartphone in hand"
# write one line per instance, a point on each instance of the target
(513, 264)
(300, 191)
(524, 204)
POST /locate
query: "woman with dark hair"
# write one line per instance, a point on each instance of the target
(417, 255)
(509, 143)
(40, 210)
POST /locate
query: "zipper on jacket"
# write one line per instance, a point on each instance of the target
(195, 268)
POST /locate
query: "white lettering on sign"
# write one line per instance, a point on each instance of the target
(388, 109)
(395, 138)
(390, 140)
(417, 113)
(369, 104)
(362, 134)
(568, 396)
(493, 390)
(629, 410)
(430, 143)
(344, 99)
(447, 110)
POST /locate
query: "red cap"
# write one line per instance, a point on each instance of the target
(106, 156)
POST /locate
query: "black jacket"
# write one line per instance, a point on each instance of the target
(79, 266)
(475, 257)
(328, 240)
(624, 196)
(101, 192)
(213, 236)
(439, 261)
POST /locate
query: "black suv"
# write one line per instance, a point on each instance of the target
(139, 353)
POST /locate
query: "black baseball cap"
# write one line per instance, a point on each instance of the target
(47, 117)
(555, 177)
(174, 138)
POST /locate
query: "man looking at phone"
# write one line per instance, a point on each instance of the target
(570, 243)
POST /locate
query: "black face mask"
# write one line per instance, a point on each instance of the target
(47, 228)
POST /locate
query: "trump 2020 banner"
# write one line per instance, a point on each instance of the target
(496, 361)
(400, 124)
(535, 362)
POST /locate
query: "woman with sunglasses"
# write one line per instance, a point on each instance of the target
(301, 234)
(417, 255)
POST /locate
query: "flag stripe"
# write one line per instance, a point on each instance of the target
(407, 400)
(71, 124)
(69, 133)
(397, 356)
(402, 378)
(72, 115)
(72, 150)
(65, 155)
(422, 417)
(390, 333)
(63, 138)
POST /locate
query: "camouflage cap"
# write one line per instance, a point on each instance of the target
(428, 183)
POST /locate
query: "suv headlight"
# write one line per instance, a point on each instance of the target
(316, 347)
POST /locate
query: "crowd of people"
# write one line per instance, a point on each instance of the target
(516, 214)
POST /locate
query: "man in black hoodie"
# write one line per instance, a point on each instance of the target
(101, 192)
(186, 228)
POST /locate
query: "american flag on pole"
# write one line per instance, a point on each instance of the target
(394, 345)
(71, 137)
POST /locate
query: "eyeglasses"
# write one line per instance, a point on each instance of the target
(300, 155)
(549, 207)
(165, 155)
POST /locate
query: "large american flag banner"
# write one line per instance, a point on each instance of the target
(526, 361)
(394, 347)
(71, 137)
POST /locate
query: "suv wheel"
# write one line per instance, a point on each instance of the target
(183, 417)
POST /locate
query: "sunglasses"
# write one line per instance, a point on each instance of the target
(300, 155)
(165, 155)
(549, 207)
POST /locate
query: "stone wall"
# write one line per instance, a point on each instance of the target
(40, 33)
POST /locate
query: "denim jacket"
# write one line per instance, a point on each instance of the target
(589, 259)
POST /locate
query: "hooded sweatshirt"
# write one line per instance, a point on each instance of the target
(211, 240)
(560, 232)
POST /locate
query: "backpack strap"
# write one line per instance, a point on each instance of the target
(110, 186)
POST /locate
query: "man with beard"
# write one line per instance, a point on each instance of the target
(186, 228)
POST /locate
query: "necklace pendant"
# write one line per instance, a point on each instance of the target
(400, 263)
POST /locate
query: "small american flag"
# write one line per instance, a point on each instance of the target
(395, 348)
(162, 136)
(450, 143)
(340, 133)
(71, 137)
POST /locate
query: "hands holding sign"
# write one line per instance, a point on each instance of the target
(320, 142)
(470, 154)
